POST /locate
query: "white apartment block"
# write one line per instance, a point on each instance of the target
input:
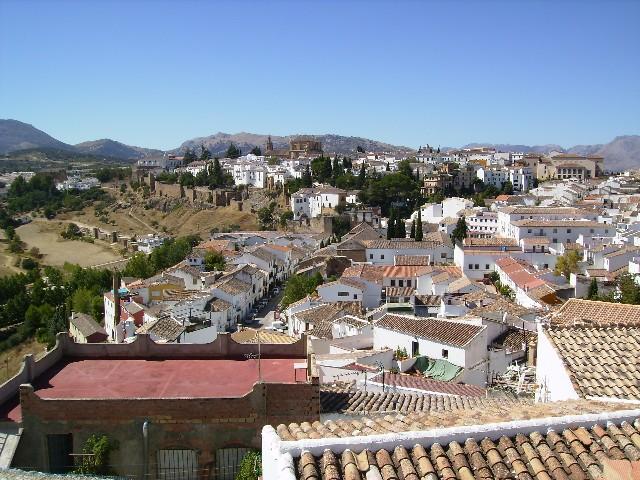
(310, 202)
(482, 224)
(508, 215)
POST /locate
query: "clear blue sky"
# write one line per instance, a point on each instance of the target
(154, 73)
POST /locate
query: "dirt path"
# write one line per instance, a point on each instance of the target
(45, 235)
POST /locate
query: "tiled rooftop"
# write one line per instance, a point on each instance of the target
(342, 399)
(418, 260)
(249, 335)
(602, 361)
(594, 312)
(438, 412)
(164, 328)
(599, 452)
(419, 382)
(452, 333)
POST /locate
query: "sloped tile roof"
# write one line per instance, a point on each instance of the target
(594, 312)
(434, 412)
(421, 260)
(165, 328)
(343, 399)
(452, 333)
(574, 453)
(85, 324)
(249, 335)
(419, 382)
(601, 361)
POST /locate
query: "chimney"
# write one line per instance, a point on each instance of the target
(116, 298)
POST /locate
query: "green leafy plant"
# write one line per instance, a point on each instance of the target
(97, 449)
(250, 467)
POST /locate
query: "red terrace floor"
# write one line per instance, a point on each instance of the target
(161, 378)
(155, 379)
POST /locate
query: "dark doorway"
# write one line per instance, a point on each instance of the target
(60, 448)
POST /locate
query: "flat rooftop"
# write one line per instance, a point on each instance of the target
(157, 378)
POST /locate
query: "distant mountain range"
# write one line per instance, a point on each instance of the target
(621, 153)
(219, 142)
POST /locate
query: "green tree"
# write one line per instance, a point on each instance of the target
(139, 266)
(321, 169)
(205, 154)
(217, 175)
(72, 231)
(391, 225)
(392, 190)
(401, 228)
(285, 217)
(214, 261)
(307, 181)
(362, 175)
(256, 151)
(567, 263)
(359, 149)
(298, 287)
(627, 290)
(412, 234)
(189, 156)
(233, 151)
(83, 301)
(419, 235)
(265, 216)
(336, 170)
(507, 188)
(593, 290)
(16, 245)
(404, 167)
(460, 232)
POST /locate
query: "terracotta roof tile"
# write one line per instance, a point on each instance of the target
(422, 260)
(388, 412)
(452, 333)
(249, 335)
(577, 453)
(594, 312)
(416, 382)
(602, 361)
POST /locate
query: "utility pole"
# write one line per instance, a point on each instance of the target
(259, 362)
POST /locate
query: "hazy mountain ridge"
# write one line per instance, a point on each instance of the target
(112, 148)
(331, 143)
(15, 135)
(623, 152)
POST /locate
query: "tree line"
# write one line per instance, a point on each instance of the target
(170, 253)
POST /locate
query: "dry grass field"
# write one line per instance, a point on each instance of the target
(11, 360)
(183, 220)
(45, 235)
(7, 262)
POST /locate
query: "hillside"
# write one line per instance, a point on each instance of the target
(622, 153)
(15, 135)
(111, 148)
(219, 142)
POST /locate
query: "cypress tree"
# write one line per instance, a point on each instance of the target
(391, 225)
(419, 227)
(362, 175)
(401, 228)
(306, 177)
(412, 234)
